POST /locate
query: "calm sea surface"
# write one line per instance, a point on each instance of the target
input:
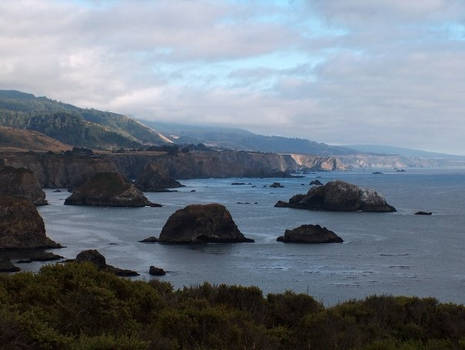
(383, 253)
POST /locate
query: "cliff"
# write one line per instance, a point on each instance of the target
(71, 169)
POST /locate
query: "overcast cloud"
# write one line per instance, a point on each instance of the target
(336, 71)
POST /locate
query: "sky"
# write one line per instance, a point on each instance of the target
(336, 71)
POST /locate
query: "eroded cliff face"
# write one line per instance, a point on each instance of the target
(72, 170)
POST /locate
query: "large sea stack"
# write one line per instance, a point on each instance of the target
(21, 226)
(156, 179)
(201, 224)
(22, 183)
(108, 189)
(339, 196)
(310, 234)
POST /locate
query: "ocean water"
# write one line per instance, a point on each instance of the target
(383, 253)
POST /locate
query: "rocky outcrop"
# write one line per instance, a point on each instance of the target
(202, 224)
(7, 266)
(108, 190)
(155, 179)
(339, 196)
(21, 226)
(310, 234)
(94, 257)
(20, 182)
(156, 271)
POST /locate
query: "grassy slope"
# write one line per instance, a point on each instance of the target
(77, 307)
(28, 140)
(72, 125)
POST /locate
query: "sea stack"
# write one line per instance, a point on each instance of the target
(310, 234)
(22, 183)
(202, 224)
(21, 226)
(339, 196)
(108, 189)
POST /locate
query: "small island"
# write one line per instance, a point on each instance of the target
(309, 234)
(338, 196)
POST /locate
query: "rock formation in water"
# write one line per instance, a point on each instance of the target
(201, 224)
(21, 226)
(310, 234)
(108, 190)
(424, 213)
(276, 185)
(21, 182)
(316, 183)
(156, 271)
(339, 196)
(156, 179)
(94, 257)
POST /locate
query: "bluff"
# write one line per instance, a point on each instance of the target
(20, 182)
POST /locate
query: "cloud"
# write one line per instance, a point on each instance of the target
(341, 71)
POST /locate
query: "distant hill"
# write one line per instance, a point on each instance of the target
(28, 140)
(73, 125)
(404, 152)
(239, 139)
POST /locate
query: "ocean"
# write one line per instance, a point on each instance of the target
(383, 253)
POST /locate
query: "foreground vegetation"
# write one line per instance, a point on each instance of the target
(77, 307)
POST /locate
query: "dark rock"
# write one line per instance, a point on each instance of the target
(192, 191)
(22, 183)
(156, 271)
(281, 204)
(276, 185)
(155, 178)
(423, 213)
(57, 190)
(202, 224)
(339, 196)
(316, 183)
(154, 205)
(94, 257)
(7, 266)
(151, 239)
(21, 226)
(40, 256)
(401, 170)
(310, 234)
(238, 183)
(377, 173)
(108, 190)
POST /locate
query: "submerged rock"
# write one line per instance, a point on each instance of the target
(7, 266)
(94, 257)
(21, 226)
(108, 190)
(156, 271)
(423, 213)
(201, 224)
(276, 185)
(22, 183)
(151, 239)
(156, 179)
(339, 196)
(310, 234)
(316, 183)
